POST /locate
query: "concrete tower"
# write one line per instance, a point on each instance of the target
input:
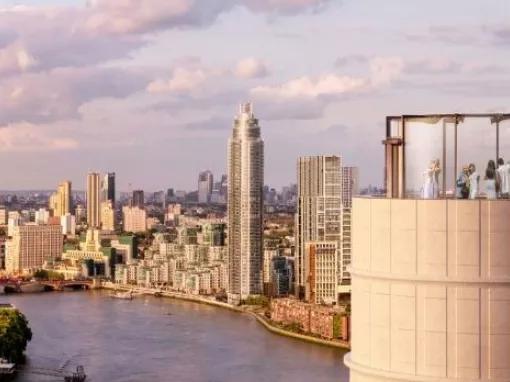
(431, 270)
(93, 200)
(245, 205)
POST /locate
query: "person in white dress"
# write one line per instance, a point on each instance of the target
(474, 182)
(491, 181)
(504, 178)
(431, 181)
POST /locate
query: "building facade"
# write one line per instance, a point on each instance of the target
(108, 188)
(431, 268)
(321, 272)
(93, 200)
(205, 187)
(31, 245)
(245, 205)
(134, 219)
(319, 208)
(138, 198)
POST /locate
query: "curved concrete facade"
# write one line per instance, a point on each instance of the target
(430, 290)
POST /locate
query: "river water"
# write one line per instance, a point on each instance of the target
(156, 339)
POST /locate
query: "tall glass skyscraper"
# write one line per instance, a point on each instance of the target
(245, 206)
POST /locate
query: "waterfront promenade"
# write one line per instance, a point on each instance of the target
(259, 316)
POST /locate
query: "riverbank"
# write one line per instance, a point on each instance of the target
(268, 325)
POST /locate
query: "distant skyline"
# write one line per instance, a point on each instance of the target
(148, 89)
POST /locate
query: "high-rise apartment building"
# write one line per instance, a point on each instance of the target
(61, 200)
(108, 188)
(245, 206)
(350, 185)
(205, 186)
(134, 219)
(31, 245)
(93, 200)
(319, 208)
(138, 199)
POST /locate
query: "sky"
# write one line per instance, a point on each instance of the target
(149, 88)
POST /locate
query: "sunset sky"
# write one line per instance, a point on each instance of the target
(149, 88)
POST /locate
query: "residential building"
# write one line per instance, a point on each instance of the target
(93, 200)
(134, 219)
(31, 245)
(42, 216)
(205, 186)
(107, 216)
(68, 224)
(350, 185)
(61, 200)
(319, 208)
(321, 277)
(245, 206)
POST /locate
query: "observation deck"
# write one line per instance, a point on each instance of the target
(431, 265)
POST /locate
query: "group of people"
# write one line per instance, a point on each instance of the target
(496, 181)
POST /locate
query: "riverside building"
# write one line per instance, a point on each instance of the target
(31, 245)
(245, 206)
(431, 268)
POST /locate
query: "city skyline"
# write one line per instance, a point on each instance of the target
(160, 88)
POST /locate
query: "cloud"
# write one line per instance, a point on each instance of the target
(251, 68)
(58, 94)
(26, 137)
(325, 85)
(183, 80)
(384, 70)
(15, 58)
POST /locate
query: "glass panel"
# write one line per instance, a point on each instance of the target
(449, 165)
(423, 158)
(476, 146)
(395, 130)
(504, 154)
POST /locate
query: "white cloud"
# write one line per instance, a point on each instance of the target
(183, 80)
(57, 94)
(28, 137)
(325, 85)
(251, 68)
(15, 58)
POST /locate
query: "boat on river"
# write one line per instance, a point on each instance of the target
(78, 376)
(123, 295)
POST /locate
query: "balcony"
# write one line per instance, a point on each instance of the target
(442, 156)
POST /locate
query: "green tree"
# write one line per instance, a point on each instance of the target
(15, 334)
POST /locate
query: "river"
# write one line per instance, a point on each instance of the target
(156, 339)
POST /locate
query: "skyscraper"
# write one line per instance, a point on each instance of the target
(93, 200)
(108, 188)
(61, 200)
(138, 199)
(245, 206)
(319, 208)
(205, 186)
